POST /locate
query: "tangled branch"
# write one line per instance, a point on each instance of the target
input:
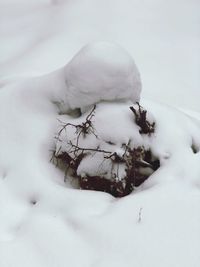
(141, 120)
(133, 160)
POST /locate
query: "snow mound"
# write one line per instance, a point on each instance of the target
(111, 148)
(101, 71)
(35, 202)
(107, 148)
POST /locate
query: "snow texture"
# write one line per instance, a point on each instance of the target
(101, 71)
(113, 128)
(44, 222)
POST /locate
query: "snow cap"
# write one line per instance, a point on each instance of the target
(101, 71)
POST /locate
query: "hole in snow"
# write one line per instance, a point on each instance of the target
(74, 113)
(194, 148)
(33, 202)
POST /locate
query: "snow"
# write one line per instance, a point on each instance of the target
(113, 127)
(175, 137)
(45, 221)
(101, 71)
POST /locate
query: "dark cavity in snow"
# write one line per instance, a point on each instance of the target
(194, 148)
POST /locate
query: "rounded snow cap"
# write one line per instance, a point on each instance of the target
(101, 71)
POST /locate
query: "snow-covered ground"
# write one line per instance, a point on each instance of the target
(38, 36)
(45, 222)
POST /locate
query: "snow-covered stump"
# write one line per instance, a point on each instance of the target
(103, 149)
(107, 148)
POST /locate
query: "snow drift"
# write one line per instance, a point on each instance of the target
(101, 71)
(45, 222)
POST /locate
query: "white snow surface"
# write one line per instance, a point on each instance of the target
(101, 71)
(44, 222)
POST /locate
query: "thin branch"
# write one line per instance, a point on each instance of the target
(90, 149)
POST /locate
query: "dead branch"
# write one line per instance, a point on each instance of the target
(141, 120)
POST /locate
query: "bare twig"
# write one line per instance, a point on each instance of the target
(89, 149)
(133, 159)
(141, 120)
